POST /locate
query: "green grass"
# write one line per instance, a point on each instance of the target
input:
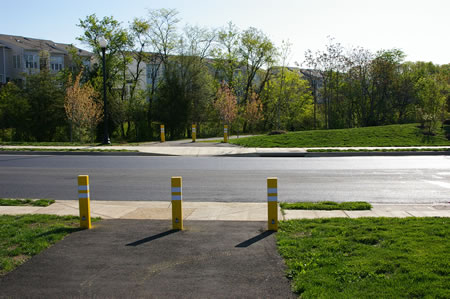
(26, 202)
(22, 237)
(211, 141)
(367, 257)
(326, 205)
(393, 135)
(378, 150)
(65, 150)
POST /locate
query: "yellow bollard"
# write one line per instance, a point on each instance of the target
(84, 201)
(163, 136)
(272, 203)
(225, 133)
(177, 203)
(194, 132)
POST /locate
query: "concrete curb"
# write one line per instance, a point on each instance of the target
(83, 153)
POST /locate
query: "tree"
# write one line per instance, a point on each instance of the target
(256, 51)
(226, 54)
(431, 102)
(82, 110)
(253, 110)
(45, 97)
(173, 107)
(226, 104)
(118, 57)
(14, 113)
(194, 48)
(134, 77)
(192, 85)
(294, 104)
(285, 52)
(384, 70)
(163, 39)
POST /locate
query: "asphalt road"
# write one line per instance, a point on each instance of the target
(412, 179)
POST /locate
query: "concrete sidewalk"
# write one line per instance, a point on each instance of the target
(220, 149)
(222, 211)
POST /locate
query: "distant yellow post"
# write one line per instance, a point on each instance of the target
(177, 203)
(163, 136)
(84, 201)
(194, 132)
(225, 133)
(272, 203)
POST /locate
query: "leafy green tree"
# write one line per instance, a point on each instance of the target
(118, 57)
(14, 113)
(294, 104)
(134, 77)
(384, 71)
(188, 74)
(256, 51)
(226, 55)
(432, 102)
(45, 97)
(173, 106)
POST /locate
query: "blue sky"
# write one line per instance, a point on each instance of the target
(419, 27)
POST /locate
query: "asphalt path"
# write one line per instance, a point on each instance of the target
(146, 259)
(405, 179)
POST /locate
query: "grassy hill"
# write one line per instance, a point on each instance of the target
(392, 135)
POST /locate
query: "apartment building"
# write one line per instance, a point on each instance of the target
(23, 55)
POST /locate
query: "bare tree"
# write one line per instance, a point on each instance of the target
(163, 39)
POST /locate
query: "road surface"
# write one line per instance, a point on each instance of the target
(410, 179)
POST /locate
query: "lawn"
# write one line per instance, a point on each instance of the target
(379, 150)
(367, 257)
(326, 205)
(22, 237)
(393, 135)
(26, 202)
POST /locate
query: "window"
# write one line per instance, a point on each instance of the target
(16, 61)
(56, 63)
(29, 63)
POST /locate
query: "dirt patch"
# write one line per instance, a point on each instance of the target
(20, 258)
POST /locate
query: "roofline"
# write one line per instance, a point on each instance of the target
(48, 42)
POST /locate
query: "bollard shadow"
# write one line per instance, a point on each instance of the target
(255, 239)
(152, 238)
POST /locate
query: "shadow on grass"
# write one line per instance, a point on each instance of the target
(60, 230)
(154, 237)
(255, 239)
